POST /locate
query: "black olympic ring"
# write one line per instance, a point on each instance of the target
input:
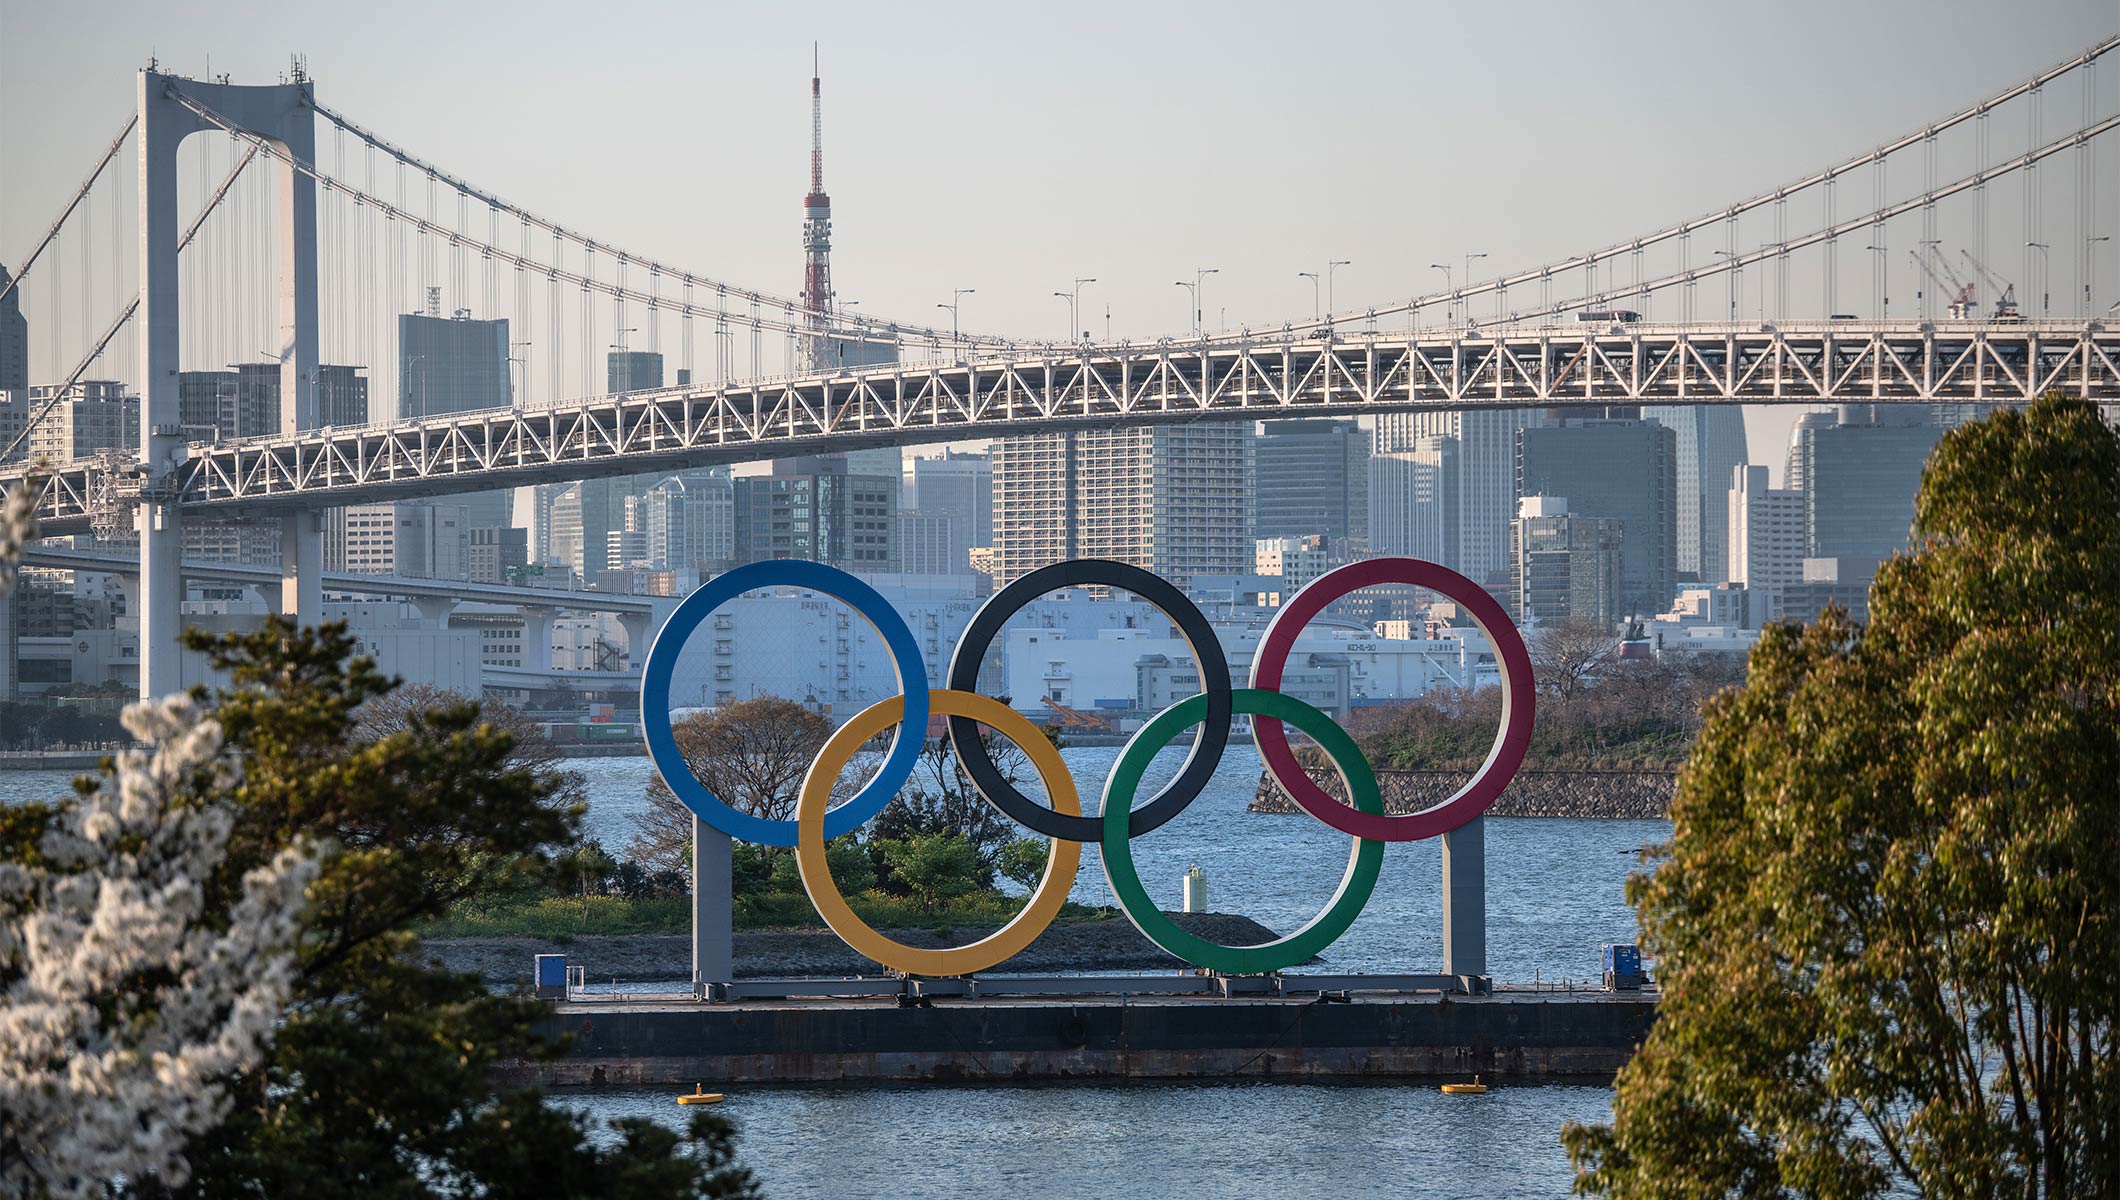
(1208, 744)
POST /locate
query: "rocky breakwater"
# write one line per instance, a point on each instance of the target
(1624, 795)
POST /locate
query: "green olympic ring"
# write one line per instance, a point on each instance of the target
(1364, 863)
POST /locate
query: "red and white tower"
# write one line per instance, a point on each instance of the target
(816, 235)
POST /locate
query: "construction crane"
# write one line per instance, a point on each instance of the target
(1961, 304)
(1070, 718)
(2005, 293)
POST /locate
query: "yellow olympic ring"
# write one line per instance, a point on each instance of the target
(996, 947)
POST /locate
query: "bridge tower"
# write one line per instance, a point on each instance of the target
(171, 109)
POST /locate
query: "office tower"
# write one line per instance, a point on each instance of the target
(92, 415)
(244, 401)
(1711, 444)
(14, 339)
(1486, 475)
(690, 521)
(413, 540)
(1624, 469)
(497, 554)
(1413, 502)
(812, 508)
(1860, 476)
(882, 462)
(960, 487)
(450, 365)
(1173, 499)
(632, 371)
(928, 544)
(1312, 477)
(1767, 545)
(1564, 566)
(625, 548)
(1799, 438)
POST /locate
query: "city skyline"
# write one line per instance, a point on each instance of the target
(900, 252)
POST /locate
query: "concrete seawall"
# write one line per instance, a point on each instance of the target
(1505, 1035)
(1607, 794)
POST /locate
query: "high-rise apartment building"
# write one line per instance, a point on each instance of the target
(1486, 476)
(1766, 525)
(1174, 499)
(1564, 566)
(1414, 498)
(14, 339)
(1312, 478)
(1711, 445)
(812, 508)
(92, 415)
(1624, 469)
(1295, 560)
(1859, 478)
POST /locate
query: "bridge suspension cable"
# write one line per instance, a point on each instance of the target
(96, 349)
(80, 195)
(1737, 262)
(876, 328)
(1588, 261)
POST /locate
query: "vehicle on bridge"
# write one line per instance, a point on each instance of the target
(1615, 316)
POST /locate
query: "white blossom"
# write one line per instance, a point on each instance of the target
(131, 1003)
(18, 523)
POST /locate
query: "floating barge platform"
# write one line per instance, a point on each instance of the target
(954, 1031)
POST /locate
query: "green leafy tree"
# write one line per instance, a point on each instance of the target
(1885, 922)
(1023, 861)
(935, 868)
(377, 1081)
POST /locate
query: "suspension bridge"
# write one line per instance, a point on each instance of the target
(350, 227)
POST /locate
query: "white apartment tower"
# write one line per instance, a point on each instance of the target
(1766, 531)
(1172, 499)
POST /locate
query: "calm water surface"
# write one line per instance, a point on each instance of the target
(1164, 1141)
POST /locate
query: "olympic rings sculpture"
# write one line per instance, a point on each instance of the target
(1062, 821)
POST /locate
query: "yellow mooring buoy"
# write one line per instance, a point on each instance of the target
(1475, 1088)
(700, 1095)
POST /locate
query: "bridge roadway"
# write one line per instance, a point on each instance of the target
(269, 579)
(1053, 389)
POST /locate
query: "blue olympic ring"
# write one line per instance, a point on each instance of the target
(670, 642)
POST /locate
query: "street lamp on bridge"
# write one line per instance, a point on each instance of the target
(1449, 310)
(1074, 303)
(1199, 279)
(1884, 293)
(1312, 276)
(957, 296)
(2045, 293)
(2090, 272)
(1330, 268)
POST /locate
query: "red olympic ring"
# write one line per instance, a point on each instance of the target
(1511, 741)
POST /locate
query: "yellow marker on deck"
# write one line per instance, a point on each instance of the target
(1475, 1088)
(700, 1095)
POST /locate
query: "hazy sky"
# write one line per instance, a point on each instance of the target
(1011, 149)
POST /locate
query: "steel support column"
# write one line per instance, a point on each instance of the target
(713, 910)
(1465, 899)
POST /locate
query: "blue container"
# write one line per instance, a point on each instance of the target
(551, 976)
(1623, 966)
